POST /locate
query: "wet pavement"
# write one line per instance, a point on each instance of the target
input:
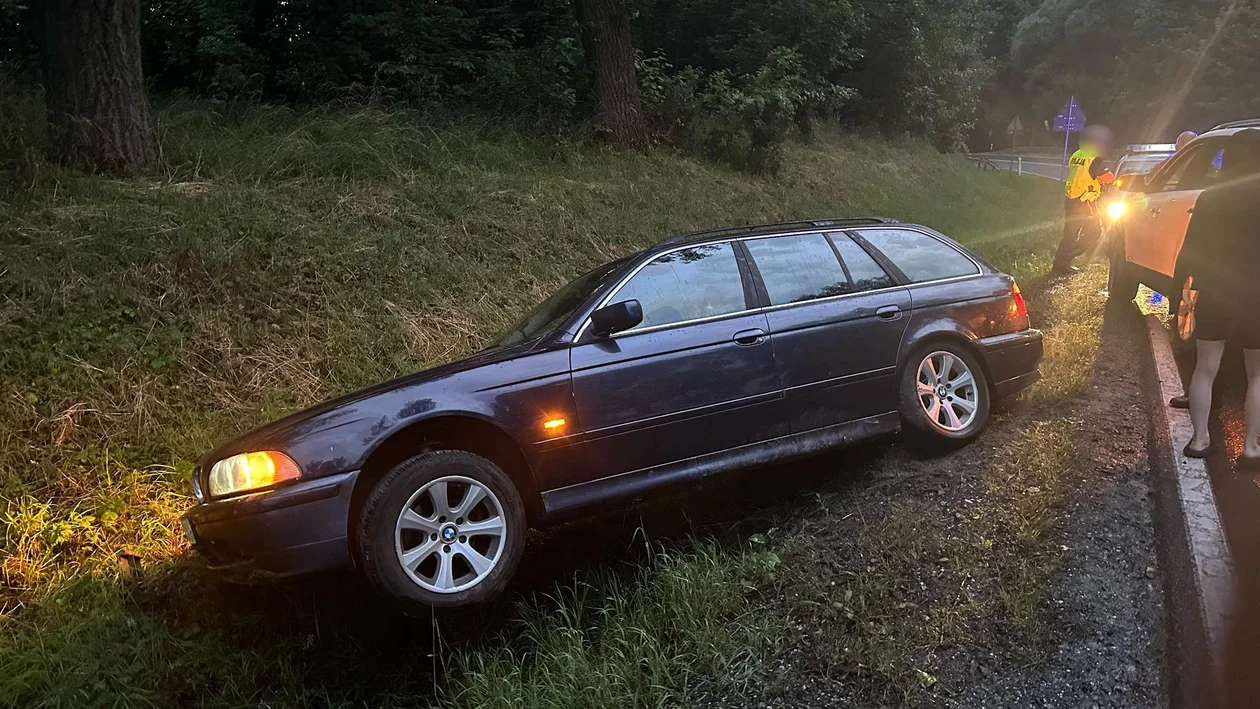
(1238, 499)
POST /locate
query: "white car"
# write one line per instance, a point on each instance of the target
(1148, 217)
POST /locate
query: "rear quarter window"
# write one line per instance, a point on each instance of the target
(920, 256)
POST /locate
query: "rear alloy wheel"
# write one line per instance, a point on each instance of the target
(944, 398)
(1122, 284)
(445, 528)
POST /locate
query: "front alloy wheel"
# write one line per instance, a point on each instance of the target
(445, 528)
(449, 535)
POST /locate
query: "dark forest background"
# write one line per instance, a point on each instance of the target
(717, 76)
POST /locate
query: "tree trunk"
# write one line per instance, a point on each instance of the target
(94, 87)
(620, 111)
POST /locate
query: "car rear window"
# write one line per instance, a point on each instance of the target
(863, 271)
(798, 268)
(688, 284)
(920, 256)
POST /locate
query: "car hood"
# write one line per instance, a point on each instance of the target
(342, 411)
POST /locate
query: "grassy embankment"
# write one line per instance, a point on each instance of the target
(286, 258)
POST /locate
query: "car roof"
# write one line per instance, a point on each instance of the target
(831, 223)
(1228, 129)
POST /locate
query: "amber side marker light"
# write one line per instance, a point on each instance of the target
(554, 425)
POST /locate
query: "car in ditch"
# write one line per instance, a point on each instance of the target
(706, 353)
(1148, 218)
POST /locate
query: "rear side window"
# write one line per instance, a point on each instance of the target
(864, 273)
(921, 257)
(688, 284)
(798, 268)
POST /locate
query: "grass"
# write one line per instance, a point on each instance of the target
(284, 257)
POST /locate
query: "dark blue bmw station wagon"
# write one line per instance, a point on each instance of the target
(705, 353)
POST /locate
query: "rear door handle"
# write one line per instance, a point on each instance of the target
(889, 312)
(748, 338)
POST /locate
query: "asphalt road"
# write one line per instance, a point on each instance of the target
(1238, 497)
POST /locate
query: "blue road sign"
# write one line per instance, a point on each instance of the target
(1070, 117)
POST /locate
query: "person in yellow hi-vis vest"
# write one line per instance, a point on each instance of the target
(1087, 173)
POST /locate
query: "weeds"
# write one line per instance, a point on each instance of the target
(676, 626)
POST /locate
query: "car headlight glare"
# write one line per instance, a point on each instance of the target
(251, 471)
(1116, 209)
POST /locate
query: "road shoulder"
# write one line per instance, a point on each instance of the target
(1198, 569)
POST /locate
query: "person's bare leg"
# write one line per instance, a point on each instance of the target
(1251, 446)
(1205, 369)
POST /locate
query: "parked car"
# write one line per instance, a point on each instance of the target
(1149, 227)
(706, 353)
(1142, 158)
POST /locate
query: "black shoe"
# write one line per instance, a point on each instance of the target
(1183, 402)
(1201, 452)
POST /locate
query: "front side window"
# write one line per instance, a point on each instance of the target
(920, 256)
(798, 268)
(688, 284)
(1196, 170)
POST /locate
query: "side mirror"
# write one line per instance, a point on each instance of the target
(617, 317)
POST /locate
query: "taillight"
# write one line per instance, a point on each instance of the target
(1019, 308)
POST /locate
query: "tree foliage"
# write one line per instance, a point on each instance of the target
(1150, 68)
(758, 68)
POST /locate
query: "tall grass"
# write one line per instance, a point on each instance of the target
(286, 256)
(680, 624)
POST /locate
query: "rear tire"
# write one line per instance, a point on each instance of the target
(445, 528)
(1122, 283)
(944, 396)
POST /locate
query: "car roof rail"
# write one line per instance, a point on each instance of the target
(1245, 123)
(837, 222)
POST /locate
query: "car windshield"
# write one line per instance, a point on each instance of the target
(556, 309)
(1140, 164)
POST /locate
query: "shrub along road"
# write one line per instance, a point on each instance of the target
(289, 258)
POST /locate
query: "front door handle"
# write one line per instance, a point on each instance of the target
(748, 338)
(889, 312)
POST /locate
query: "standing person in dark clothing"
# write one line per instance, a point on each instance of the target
(1087, 173)
(1222, 255)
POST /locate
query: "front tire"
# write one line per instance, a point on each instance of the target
(1122, 283)
(445, 528)
(944, 397)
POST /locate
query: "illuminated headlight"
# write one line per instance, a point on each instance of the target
(251, 471)
(1115, 210)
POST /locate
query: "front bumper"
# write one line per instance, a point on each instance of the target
(1012, 360)
(285, 532)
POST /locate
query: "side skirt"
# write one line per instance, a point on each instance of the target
(566, 500)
